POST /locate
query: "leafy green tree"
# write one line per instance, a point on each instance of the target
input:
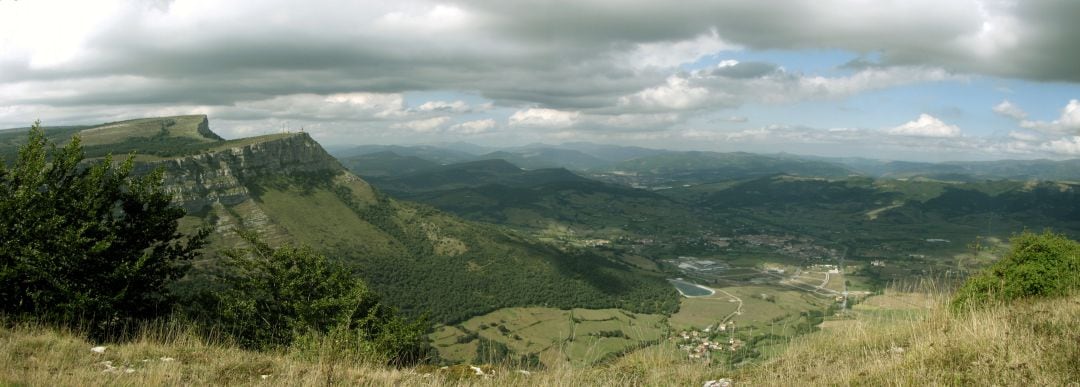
(1037, 265)
(277, 297)
(87, 243)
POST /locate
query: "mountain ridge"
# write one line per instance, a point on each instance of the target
(287, 188)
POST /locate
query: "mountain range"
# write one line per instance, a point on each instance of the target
(659, 165)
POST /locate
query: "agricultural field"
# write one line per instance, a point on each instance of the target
(576, 336)
(700, 312)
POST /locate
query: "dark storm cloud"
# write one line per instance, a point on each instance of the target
(561, 54)
(602, 65)
(1021, 39)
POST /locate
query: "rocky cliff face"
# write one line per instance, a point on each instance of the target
(219, 176)
(204, 129)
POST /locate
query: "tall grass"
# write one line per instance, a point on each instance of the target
(1026, 343)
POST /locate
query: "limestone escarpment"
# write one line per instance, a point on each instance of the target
(220, 174)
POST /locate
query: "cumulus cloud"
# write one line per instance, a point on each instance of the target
(869, 79)
(1068, 122)
(544, 118)
(669, 54)
(313, 107)
(925, 126)
(736, 83)
(861, 142)
(473, 127)
(1064, 146)
(1024, 136)
(1008, 109)
(676, 94)
(439, 18)
(622, 124)
(426, 125)
(455, 106)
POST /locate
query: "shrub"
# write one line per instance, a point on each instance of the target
(1037, 265)
(291, 296)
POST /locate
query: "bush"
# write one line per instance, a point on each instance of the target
(1037, 265)
(291, 296)
(87, 244)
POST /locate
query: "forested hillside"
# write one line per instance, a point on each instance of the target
(425, 262)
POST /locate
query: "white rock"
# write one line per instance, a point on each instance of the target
(108, 367)
(100, 349)
(167, 359)
(725, 382)
(264, 377)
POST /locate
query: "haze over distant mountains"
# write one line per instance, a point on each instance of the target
(601, 158)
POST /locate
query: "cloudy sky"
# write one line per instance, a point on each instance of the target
(899, 79)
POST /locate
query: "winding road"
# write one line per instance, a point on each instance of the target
(738, 310)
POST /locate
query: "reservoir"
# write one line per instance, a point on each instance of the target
(689, 289)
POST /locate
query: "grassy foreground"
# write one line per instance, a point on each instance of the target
(1025, 343)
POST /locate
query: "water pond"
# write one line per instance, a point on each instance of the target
(690, 289)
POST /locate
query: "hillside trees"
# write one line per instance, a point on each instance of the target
(86, 241)
(291, 296)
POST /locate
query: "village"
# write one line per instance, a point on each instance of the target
(702, 344)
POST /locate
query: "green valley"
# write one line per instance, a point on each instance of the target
(557, 267)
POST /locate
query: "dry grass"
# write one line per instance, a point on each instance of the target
(1028, 343)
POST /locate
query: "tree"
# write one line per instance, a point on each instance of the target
(86, 243)
(1037, 265)
(288, 296)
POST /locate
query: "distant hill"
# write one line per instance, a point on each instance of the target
(1068, 170)
(465, 147)
(286, 187)
(537, 158)
(1030, 202)
(578, 156)
(427, 152)
(475, 174)
(496, 191)
(613, 153)
(705, 167)
(656, 167)
(886, 217)
(607, 153)
(386, 163)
